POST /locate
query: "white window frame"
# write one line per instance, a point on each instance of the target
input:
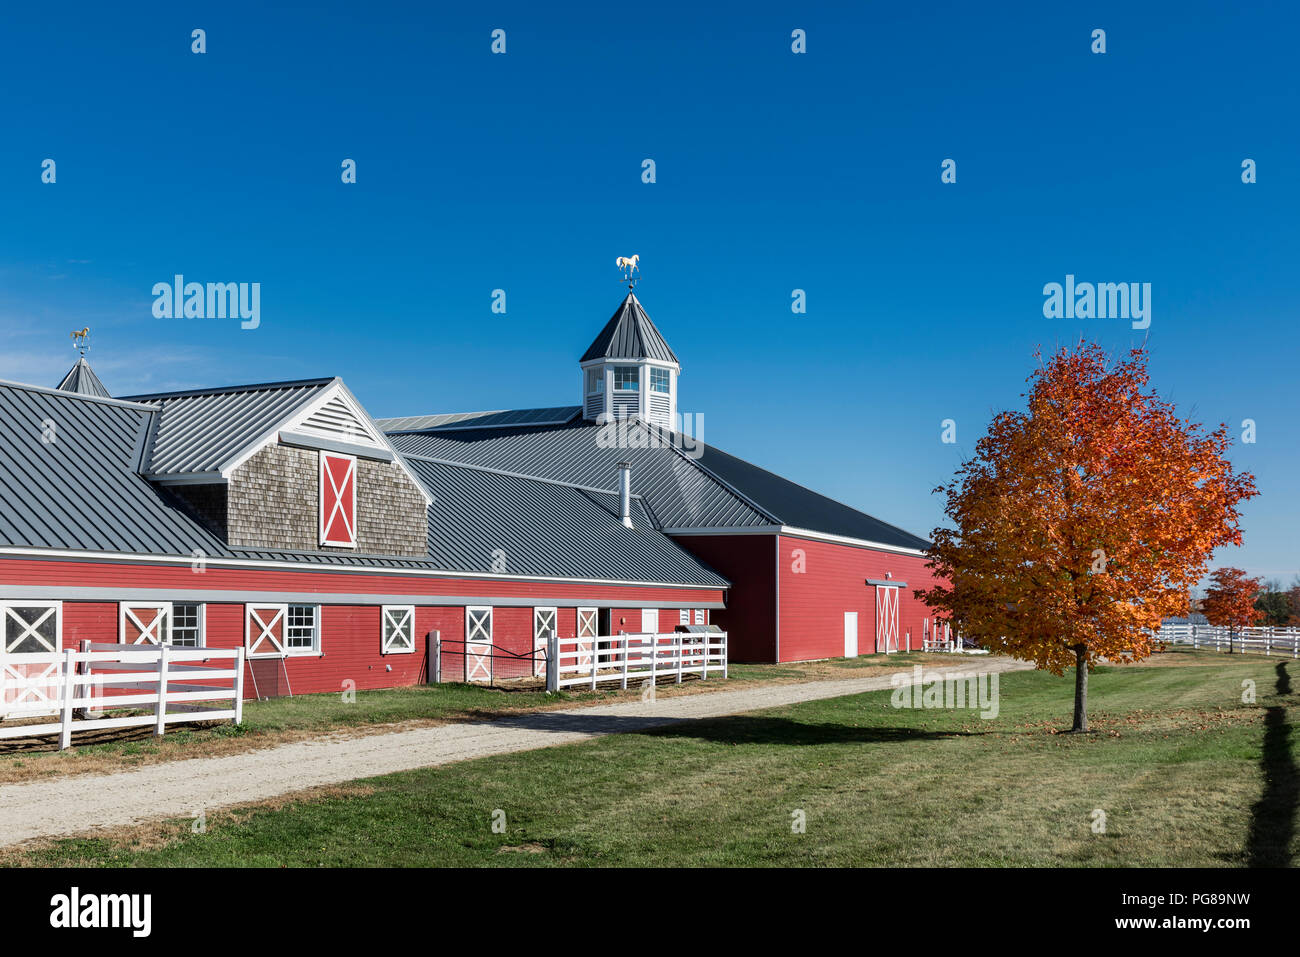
(667, 377)
(291, 651)
(636, 378)
(28, 629)
(163, 622)
(699, 616)
(202, 624)
(397, 616)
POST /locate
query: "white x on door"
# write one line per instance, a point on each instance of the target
(143, 623)
(264, 629)
(543, 629)
(886, 618)
(478, 644)
(588, 625)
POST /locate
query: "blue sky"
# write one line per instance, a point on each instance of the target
(775, 171)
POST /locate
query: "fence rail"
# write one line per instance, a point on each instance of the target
(1265, 639)
(588, 661)
(75, 685)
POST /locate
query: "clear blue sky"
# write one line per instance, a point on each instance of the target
(775, 171)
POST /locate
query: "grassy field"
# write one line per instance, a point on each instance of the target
(1185, 772)
(282, 720)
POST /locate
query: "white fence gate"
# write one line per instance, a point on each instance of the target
(623, 657)
(167, 680)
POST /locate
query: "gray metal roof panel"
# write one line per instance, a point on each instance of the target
(502, 418)
(630, 334)
(68, 481)
(81, 379)
(541, 528)
(199, 431)
(714, 490)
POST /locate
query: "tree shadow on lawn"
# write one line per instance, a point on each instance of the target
(727, 729)
(1272, 822)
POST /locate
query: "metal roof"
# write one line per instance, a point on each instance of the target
(630, 334)
(533, 527)
(69, 481)
(501, 418)
(81, 379)
(198, 431)
(678, 493)
(713, 490)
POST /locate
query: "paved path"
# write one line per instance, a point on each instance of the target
(77, 804)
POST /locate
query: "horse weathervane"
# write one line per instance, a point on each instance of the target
(81, 339)
(631, 271)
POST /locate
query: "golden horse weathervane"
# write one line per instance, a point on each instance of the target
(81, 339)
(631, 271)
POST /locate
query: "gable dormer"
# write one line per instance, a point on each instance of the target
(297, 466)
(630, 371)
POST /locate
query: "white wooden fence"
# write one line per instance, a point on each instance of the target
(162, 678)
(1221, 638)
(588, 661)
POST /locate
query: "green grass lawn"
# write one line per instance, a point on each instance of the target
(1184, 771)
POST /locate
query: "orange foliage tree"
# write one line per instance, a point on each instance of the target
(1083, 520)
(1230, 600)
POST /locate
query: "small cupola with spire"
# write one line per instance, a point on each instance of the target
(629, 371)
(81, 377)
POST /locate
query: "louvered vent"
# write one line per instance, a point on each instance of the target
(336, 420)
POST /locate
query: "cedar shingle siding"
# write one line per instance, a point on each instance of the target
(272, 501)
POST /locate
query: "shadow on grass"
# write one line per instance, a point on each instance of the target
(735, 729)
(1272, 822)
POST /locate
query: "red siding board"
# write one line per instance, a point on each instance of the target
(813, 601)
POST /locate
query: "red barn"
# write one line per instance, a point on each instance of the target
(809, 576)
(282, 518)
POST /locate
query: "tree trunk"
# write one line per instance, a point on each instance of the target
(1080, 689)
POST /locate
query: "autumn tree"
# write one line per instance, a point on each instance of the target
(1084, 520)
(1230, 600)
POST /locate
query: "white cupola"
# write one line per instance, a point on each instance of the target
(629, 371)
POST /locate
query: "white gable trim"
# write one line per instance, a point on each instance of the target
(299, 421)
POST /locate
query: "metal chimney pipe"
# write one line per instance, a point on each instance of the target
(625, 493)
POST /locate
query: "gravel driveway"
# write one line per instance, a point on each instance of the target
(78, 804)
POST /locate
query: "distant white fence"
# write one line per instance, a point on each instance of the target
(1263, 639)
(585, 662)
(74, 685)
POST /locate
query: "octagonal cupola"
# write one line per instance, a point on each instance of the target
(629, 371)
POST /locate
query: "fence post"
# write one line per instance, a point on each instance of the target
(239, 685)
(625, 652)
(595, 646)
(69, 684)
(435, 649)
(725, 657)
(654, 655)
(553, 661)
(705, 640)
(160, 710)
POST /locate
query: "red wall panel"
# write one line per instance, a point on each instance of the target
(749, 562)
(813, 601)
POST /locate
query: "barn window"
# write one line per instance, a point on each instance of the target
(595, 381)
(187, 625)
(398, 630)
(302, 629)
(699, 616)
(627, 378)
(32, 627)
(684, 616)
(338, 499)
(659, 380)
(143, 622)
